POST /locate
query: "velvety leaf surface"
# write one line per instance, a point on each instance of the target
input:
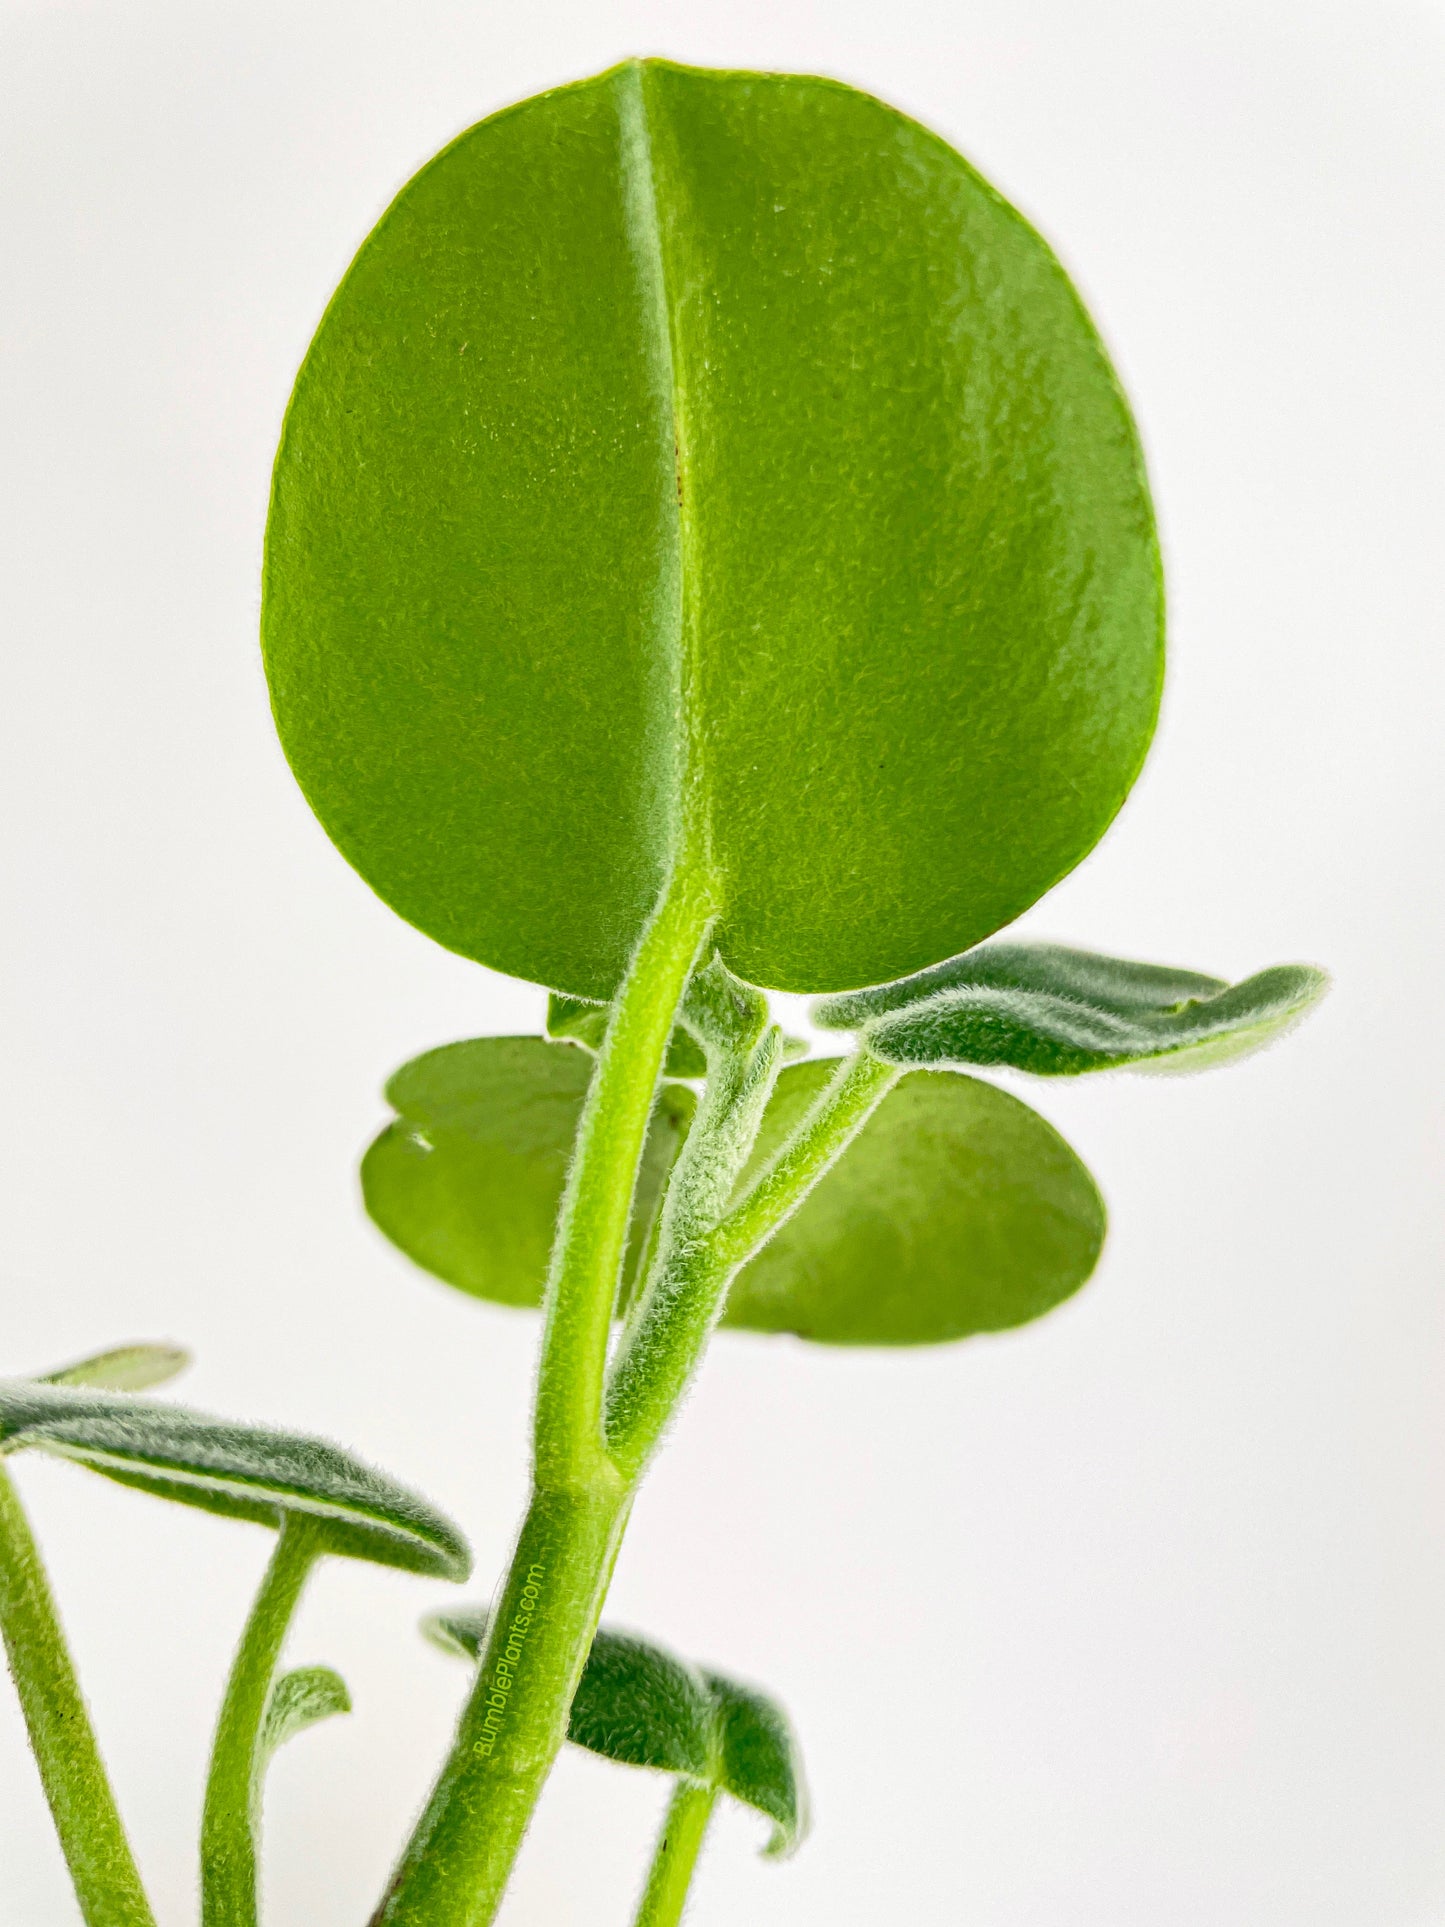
(299, 1699)
(124, 1368)
(957, 1210)
(640, 1705)
(636, 1703)
(242, 1471)
(1058, 1012)
(468, 1180)
(721, 437)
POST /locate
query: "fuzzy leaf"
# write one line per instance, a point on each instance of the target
(769, 324)
(299, 1699)
(468, 1179)
(580, 1021)
(957, 1210)
(241, 1471)
(640, 1705)
(125, 1368)
(1058, 1012)
(636, 1703)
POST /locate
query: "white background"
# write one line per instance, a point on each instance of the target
(1131, 1618)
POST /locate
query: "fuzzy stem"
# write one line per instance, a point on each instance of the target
(102, 1869)
(456, 1865)
(229, 1822)
(675, 1859)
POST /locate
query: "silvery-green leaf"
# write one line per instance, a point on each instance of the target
(640, 1705)
(124, 1368)
(241, 1471)
(636, 1703)
(299, 1699)
(1058, 1012)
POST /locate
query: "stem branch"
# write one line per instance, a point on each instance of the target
(230, 1821)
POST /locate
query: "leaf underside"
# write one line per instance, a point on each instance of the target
(958, 1209)
(124, 1368)
(640, 1705)
(240, 1471)
(689, 445)
(1058, 1012)
(297, 1700)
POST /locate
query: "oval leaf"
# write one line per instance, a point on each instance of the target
(299, 1699)
(241, 1471)
(468, 1180)
(1058, 1013)
(125, 1368)
(640, 1705)
(765, 332)
(957, 1210)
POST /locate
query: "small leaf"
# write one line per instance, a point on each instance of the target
(577, 1020)
(636, 1703)
(1057, 1013)
(468, 1180)
(125, 1368)
(297, 1700)
(957, 1210)
(640, 1705)
(760, 1761)
(240, 1471)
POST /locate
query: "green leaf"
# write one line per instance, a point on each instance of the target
(957, 1210)
(125, 1368)
(1059, 1012)
(690, 447)
(580, 1021)
(635, 1703)
(468, 1180)
(640, 1705)
(241, 1471)
(299, 1699)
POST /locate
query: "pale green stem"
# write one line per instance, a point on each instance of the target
(675, 1859)
(687, 1297)
(229, 1823)
(456, 1865)
(102, 1869)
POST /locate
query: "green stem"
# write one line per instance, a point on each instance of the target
(685, 1298)
(596, 1206)
(102, 1869)
(230, 1821)
(673, 1863)
(458, 1860)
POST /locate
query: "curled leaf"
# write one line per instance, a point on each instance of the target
(1058, 1012)
(299, 1699)
(240, 1471)
(640, 1705)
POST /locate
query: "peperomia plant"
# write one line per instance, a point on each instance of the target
(709, 550)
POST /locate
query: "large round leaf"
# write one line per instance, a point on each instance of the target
(957, 1210)
(717, 436)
